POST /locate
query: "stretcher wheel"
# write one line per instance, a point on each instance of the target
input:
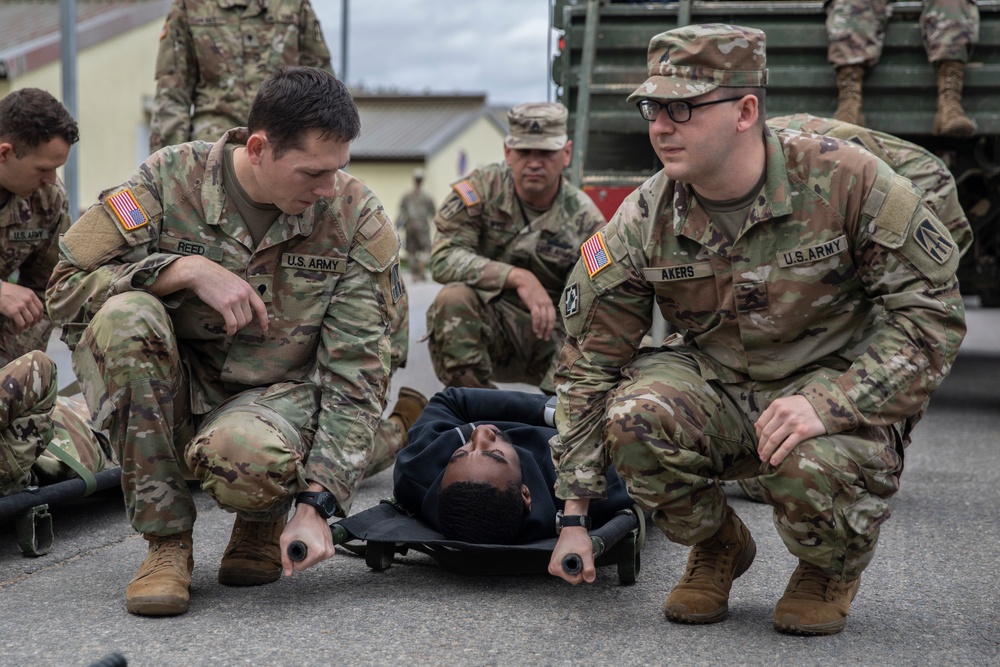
(378, 555)
(628, 563)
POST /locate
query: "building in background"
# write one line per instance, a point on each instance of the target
(116, 42)
(445, 135)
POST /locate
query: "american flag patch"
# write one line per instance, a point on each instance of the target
(595, 254)
(127, 208)
(467, 193)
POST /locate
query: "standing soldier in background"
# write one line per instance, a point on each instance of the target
(506, 238)
(856, 31)
(416, 211)
(36, 133)
(228, 309)
(214, 55)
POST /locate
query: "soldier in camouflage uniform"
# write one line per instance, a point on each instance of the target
(920, 166)
(856, 30)
(506, 239)
(36, 132)
(213, 56)
(228, 309)
(416, 211)
(817, 308)
(39, 430)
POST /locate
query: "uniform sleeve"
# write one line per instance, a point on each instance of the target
(36, 270)
(907, 260)
(455, 254)
(606, 317)
(353, 359)
(312, 49)
(99, 258)
(176, 78)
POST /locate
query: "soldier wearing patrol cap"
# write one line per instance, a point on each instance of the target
(817, 308)
(506, 238)
(36, 133)
(416, 210)
(228, 309)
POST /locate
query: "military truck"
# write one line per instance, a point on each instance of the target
(602, 58)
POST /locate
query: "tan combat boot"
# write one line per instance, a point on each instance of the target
(951, 120)
(814, 603)
(409, 404)
(702, 594)
(849, 94)
(162, 585)
(253, 556)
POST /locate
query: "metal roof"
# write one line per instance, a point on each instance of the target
(414, 127)
(29, 30)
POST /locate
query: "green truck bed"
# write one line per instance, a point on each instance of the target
(602, 58)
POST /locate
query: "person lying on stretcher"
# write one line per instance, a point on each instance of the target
(477, 468)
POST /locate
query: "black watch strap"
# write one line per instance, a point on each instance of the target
(567, 520)
(324, 502)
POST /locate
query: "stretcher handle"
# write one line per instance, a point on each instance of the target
(573, 563)
(298, 551)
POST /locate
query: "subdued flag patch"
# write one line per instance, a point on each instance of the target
(467, 193)
(126, 207)
(595, 254)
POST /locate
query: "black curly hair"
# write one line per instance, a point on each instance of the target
(480, 513)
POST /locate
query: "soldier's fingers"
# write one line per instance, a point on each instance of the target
(260, 308)
(232, 325)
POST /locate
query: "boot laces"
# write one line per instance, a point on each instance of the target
(254, 537)
(812, 583)
(709, 559)
(165, 554)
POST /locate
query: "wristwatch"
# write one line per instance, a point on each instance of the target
(324, 502)
(564, 520)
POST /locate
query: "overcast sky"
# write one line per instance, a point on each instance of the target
(497, 47)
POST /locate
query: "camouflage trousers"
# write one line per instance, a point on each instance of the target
(389, 434)
(855, 30)
(493, 340)
(673, 435)
(13, 344)
(33, 417)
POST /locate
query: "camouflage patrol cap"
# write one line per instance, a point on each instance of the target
(696, 59)
(540, 125)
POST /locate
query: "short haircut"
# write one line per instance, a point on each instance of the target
(759, 93)
(480, 513)
(30, 117)
(296, 100)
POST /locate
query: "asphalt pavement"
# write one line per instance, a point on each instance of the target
(929, 598)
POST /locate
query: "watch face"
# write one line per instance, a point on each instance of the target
(329, 504)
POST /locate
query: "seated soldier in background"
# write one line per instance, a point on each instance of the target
(38, 429)
(477, 468)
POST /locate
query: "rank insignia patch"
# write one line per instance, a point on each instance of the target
(595, 254)
(939, 246)
(571, 299)
(126, 207)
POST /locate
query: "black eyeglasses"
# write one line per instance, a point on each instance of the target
(678, 110)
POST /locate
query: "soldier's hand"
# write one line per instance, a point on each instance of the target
(783, 425)
(20, 305)
(308, 527)
(574, 540)
(226, 293)
(536, 300)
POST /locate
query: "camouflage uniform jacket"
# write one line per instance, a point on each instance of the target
(416, 210)
(215, 54)
(924, 169)
(29, 230)
(479, 242)
(324, 276)
(839, 271)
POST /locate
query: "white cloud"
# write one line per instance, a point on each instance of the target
(492, 46)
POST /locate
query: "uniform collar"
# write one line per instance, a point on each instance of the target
(691, 219)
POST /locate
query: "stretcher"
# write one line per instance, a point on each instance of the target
(387, 530)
